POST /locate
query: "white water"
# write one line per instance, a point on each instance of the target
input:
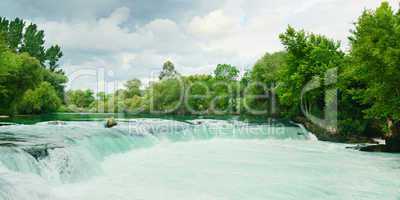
(214, 160)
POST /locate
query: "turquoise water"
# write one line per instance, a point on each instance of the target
(186, 159)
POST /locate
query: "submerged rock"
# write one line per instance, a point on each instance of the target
(111, 122)
(40, 151)
(374, 148)
(56, 123)
(392, 146)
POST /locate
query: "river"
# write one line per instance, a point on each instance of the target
(153, 158)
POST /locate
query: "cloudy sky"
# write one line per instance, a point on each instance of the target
(125, 39)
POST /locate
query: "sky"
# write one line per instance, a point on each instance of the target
(117, 40)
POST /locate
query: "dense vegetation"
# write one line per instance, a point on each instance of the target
(298, 83)
(30, 78)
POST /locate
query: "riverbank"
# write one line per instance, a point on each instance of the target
(371, 145)
(324, 135)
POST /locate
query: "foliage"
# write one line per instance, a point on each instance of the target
(53, 55)
(80, 98)
(309, 56)
(168, 71)
(18, 73)
(226, 72)
(375, 53)
(22, 64)
(42, 99)
(132, 88)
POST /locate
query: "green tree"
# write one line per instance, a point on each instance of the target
(198, 93)
(266, 69)
(226, 72)
(57, 80)
(308, 56)
(18, 73)
(42, 99)
(80, 98)
(33, 43)
(53, 55)
(165, 96)
(375, 52)
(263, 79)
(133, 88)
(168, 71)
(15, 30)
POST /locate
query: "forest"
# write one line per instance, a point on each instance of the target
(367, 80)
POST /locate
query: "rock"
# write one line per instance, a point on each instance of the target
(393, 145)
(111, 122)
(374, 148)
(56, 123)
(357, 147)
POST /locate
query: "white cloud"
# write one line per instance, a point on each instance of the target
(214, 24)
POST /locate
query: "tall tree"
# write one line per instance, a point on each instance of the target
(53, 55)
(375, 52)
(33, 43)
(18, 73)
(168, 71)
(308, 56)
(15, 33)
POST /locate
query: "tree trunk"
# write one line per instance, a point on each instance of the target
(393, 128)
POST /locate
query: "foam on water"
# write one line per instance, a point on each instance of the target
(198, 159)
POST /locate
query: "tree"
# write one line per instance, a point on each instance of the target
(18, 73)
(225, 91)
(33, 43)
(4, 23)
(15, 30)
(375, 52)
(226, 72)
(168, 71)
(29, 39)
(309, 56)
(132, 88)
(80, 98)
(42, 99)
(266, 69)
(198, 93)
(53, 55)
(165, 96)
(57, 80)
(263, 78)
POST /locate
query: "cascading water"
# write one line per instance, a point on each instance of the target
(196, 159)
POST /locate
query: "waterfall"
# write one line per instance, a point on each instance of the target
(72, 152)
